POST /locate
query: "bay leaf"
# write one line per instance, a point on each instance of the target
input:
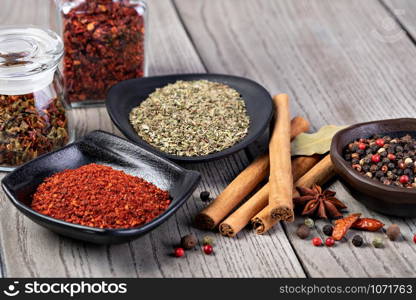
(315, 143)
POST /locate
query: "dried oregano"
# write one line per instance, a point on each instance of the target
(192, 118)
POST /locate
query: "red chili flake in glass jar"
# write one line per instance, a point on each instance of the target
(104, 44)
(99, 196)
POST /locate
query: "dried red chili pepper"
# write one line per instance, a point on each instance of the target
(104, 44)
(99, 196)
(367, 224)
(343, 225)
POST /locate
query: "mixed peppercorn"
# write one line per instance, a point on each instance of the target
(389, 160)
(189, 242)
(342, 226)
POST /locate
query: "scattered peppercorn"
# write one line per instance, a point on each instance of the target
(309, 222)
(188, 241)
(179, 252)
(208, 240)
(377, 242)
(393, 232)
(329, 242)
(414, 238)
(208, 249)
(204, 196)
(317, 241)
(357, 241)
(328, 229)
(303, 231)
(390, 161)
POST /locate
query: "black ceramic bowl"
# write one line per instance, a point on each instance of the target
(126, 95)
(390, 200)
(107, 149)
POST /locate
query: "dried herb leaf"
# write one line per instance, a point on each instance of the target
(315, 143)
(192, 118)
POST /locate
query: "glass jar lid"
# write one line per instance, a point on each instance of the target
(29, 57)
(27, 50)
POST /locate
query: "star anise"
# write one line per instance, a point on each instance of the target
(316, 202)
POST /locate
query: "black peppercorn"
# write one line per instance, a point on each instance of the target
(391, 166)
(379, 174)
(327, 230)
(357, 241)
(204, 196)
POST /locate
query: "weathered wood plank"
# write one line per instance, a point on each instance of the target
(329, 56)
(29, 250)
(405, 13)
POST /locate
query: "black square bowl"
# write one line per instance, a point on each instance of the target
(126, 95)
(106, 149)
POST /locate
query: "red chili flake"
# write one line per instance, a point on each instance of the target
(104, 44)
(99, 196)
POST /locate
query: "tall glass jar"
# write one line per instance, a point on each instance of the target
(104, 43)
(34, 116)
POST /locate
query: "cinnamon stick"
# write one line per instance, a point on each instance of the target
(321, 173)
(242, 185)
(242, 216)
(280, 180)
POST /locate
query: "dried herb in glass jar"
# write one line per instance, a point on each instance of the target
(34, 116)
(30, 126)
(192, 118)
(104, 44)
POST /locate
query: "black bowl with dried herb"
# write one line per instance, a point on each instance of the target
(382, 187)
(191, 117)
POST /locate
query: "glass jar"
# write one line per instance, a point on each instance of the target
(34, 117)
(104, 43)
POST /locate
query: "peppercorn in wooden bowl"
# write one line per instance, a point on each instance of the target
(126, 97)
(382, 197)
(92, 151)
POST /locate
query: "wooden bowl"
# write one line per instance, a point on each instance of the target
(389, 200)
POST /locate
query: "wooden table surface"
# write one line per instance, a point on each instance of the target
(341, 62)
